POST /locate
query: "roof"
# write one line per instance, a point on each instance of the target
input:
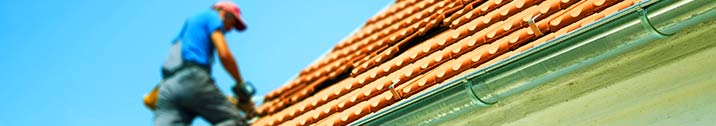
(414, 45)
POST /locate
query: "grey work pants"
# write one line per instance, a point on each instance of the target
(189, 93)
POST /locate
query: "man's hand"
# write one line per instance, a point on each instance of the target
(244, 92)
(248, 108)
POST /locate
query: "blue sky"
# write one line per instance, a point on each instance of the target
(88, 62)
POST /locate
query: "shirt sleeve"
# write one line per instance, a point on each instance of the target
(214, 22)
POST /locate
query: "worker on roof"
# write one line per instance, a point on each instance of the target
(187, 89)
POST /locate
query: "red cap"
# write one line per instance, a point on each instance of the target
(232, 8)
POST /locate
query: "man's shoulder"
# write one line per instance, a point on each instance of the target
(205, 15)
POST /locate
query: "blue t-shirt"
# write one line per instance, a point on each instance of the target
(195, 36)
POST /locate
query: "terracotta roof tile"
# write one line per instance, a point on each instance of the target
(476, 12)
(414, 45)
(370, 29)
(461, 11)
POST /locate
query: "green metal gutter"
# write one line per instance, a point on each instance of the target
(607, 38)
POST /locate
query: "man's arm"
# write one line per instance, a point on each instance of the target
(225, 56)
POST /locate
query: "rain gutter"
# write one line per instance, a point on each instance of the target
(611, 36)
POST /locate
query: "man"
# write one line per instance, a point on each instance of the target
(187, 89)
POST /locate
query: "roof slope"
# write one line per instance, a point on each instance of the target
(416, 44)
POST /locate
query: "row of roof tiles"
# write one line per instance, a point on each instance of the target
(358, 54)
(383, 68)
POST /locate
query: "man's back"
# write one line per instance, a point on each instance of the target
(195, 37)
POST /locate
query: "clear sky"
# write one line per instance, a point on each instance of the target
(89, 62)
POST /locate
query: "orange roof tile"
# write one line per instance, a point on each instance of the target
(414, 45)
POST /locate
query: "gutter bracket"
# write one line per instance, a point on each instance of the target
(474, 95)
(646, 23)
(395, 93)
(533, 25)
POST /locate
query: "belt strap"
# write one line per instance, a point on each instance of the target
(167, 73)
